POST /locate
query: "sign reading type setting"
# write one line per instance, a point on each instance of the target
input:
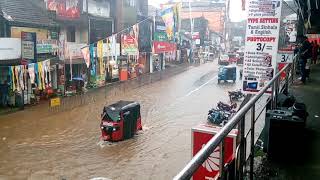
(262, 34)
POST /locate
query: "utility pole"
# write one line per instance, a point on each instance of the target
(227, 26)
(190, 17)
(191, 29)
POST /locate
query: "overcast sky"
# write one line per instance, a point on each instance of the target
(236, 14)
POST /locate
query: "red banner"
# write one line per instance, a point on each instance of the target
(69, 9)
(162, 47)
(129, 45)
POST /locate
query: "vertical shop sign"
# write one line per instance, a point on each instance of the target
(261, 48)
(284, 57)
(28, 46)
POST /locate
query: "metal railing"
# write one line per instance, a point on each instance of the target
(277, 84)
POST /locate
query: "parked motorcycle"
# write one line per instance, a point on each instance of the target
(235, 95)
(219, 117)
(226, 107)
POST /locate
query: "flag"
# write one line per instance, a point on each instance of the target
(168, 18)
(114, 47)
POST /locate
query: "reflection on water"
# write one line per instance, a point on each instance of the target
(67, 145)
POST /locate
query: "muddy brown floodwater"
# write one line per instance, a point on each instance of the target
(37, 144)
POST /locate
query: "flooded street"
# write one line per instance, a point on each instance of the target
(37, 144)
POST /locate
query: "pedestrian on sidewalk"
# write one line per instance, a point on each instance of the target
(305, 54)
(315, 48)
(4, 91)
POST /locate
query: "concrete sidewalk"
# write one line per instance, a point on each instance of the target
(305, 160)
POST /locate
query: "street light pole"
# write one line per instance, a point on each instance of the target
(191, 30)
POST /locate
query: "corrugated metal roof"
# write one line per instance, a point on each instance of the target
(25, 12)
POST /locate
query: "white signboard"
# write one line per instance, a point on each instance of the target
(285, 57)
(27, 49)
(10, 48)
(262, 34)
(73, 49)
(99, 8)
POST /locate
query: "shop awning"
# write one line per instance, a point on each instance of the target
(29, 14)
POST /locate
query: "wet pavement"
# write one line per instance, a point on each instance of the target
(37, 144)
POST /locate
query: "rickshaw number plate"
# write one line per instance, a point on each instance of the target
(107, 124)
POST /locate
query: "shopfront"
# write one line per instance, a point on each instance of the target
(164, 52)
(130, 54)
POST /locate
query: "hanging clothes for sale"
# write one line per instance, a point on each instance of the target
(36, 72)
(106, 49)
(86, 55)
(24, 76)
(100, 57)
(92, 59)
(20, 77)
(46, 73)
(13, 79)
(16, 73)
(47, 62)
(41, 84)
(31, 73)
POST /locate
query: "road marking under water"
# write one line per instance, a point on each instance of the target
(198, 88)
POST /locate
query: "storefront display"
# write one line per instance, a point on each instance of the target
(29, 83)
(123, 70)
(132, 64)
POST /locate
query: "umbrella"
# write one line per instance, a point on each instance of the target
(78, 79)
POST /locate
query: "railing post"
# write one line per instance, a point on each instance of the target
(286, 86)
(221, 165)
(272, 95)
(252, 141)
(277, 84)
(242, 148)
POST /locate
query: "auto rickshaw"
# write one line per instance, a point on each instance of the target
(120, 121)
(227, 73)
